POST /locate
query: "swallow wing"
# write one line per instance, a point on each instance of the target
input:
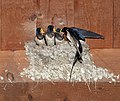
(87, 34)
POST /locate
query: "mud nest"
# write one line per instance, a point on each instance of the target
(53, 63)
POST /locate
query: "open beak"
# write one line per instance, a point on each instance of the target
(42, 31)
(54, 30)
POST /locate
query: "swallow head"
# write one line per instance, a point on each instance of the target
(38, 29)
(64, 29)
(50, 28)
(58, 30)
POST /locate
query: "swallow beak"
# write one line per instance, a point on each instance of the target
(60, 30)
(42, 31)
(54, 30)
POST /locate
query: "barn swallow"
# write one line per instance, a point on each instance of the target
(58, 36)
(77, 34)
(82, 34)
(50, 34)
(40, 37)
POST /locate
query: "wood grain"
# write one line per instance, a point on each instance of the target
(44, 9)
(0, 24)
(101, 16)
(59, 92)
(116, 23)
(57, 10)
(97, 16)
(14, 14)
(70, 13)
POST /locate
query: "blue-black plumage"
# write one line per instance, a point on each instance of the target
(77, 34)
(87, 34)
(40, 36)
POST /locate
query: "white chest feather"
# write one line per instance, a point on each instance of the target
(50, 41)
(40, 42)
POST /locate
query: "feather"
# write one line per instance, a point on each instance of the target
(86, 33)
(29, 27)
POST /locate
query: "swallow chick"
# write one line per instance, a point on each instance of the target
(40, 37)
(53, 35)
(58, 36)
(50, 35)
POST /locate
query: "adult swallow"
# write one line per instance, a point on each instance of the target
(75, 35)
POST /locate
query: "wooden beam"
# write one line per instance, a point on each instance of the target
(97, 16)
(116, 23)
(70, 13)
(44, 10)
(0, 24)
(47, 91)
(58, 11)
(14, 14)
